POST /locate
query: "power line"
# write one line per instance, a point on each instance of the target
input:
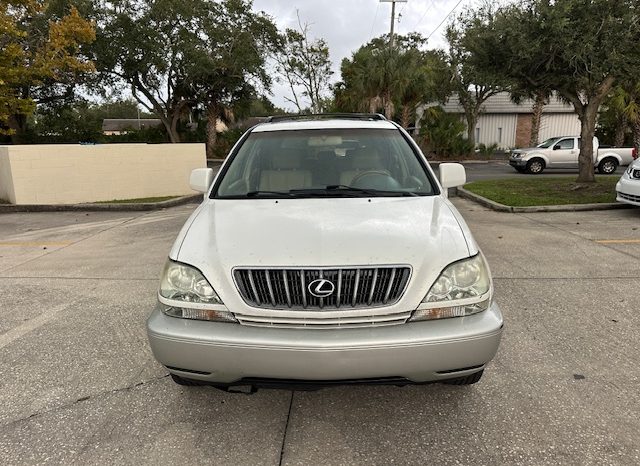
(445, 18)
(374, 22)
(423, 16)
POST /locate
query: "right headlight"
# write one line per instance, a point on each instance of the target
(186, 293)
(462, 289)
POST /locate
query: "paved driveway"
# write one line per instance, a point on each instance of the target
(79, 385)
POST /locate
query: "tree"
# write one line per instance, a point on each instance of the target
(305, 64)
(142, 46)
(391, 78)
(472, 84)
(38, 49)
(577, 48)
(226, 69)
(622, 106)
(177, 57)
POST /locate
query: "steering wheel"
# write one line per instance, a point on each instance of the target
(375, 179)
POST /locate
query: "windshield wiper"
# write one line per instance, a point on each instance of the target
(338, 189)
(373, 192)
(268, 193)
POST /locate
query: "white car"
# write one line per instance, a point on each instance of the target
(628, 188)
(325, 251)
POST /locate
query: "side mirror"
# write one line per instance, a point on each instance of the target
(556, 147)
(201, 179)
(452, 175)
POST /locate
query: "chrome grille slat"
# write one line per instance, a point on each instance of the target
(253, 287)
(338, 322)
(355, 287)
(285, 282)
(271, 295)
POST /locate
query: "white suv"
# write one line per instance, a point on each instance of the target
(325, 252)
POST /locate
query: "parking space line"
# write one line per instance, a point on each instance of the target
(35, 243)
(618, 241)
(30, 325)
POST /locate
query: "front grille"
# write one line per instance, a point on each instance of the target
(324, 321)
(353, 288)
(629, 197)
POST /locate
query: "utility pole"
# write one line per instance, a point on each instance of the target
(393, 17)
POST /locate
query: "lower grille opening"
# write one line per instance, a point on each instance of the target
(461, 370)
(189, 371)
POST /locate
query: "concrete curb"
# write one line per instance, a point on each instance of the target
(125, 207)
(470, 162)
(541, 208)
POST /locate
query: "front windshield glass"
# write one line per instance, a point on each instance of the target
(548, 143)
(325, 163)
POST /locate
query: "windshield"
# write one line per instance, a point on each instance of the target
(548, 143)
(325, 163)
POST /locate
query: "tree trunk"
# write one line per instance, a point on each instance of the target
(538, 107)
(388, 105)
(636, 135)
(587, 131)
(18, 126)
(621, 129)
(472, 121)
(170, 127)
(405, 119)
(213, 113)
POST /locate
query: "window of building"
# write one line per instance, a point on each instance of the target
(499, 134)
(477, 134)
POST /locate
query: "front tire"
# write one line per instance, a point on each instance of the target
(466, 380)
(535, 166)
(608, 166)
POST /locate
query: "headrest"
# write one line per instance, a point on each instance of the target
(366, 158)
(286, 159)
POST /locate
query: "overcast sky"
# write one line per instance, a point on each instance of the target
(348, 24)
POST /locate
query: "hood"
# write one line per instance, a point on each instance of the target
(422, 232)
(323, 232)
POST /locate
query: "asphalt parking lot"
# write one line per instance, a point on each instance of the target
(78, 384)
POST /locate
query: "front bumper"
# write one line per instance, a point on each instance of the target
(628, 191)
(419, 351)
(519, 163)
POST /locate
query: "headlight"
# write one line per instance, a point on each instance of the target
(463, 288)
(186, 293)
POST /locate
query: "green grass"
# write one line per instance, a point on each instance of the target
(535, 190)
(141, 200)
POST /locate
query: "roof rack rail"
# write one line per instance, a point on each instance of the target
(322, 116)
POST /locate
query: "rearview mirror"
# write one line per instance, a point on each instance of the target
(201, 179)
(452, 175)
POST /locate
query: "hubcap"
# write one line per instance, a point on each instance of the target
(608, 167)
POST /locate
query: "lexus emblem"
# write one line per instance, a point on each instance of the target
(321, 288)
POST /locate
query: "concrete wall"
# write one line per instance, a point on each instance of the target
(66, 174)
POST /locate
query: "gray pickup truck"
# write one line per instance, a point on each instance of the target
(563, 151)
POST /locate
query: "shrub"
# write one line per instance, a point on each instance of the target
(441, 134)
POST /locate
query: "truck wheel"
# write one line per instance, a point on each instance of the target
(608, 166)
(466, 380)
(535, 166)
